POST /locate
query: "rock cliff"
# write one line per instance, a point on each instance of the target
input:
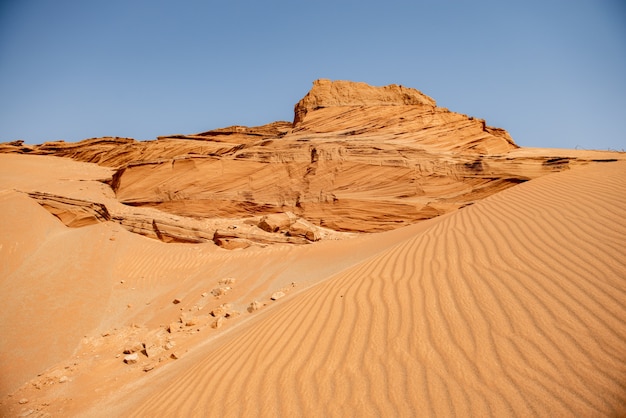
(356, 158)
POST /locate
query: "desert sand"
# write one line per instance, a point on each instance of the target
(377, 256)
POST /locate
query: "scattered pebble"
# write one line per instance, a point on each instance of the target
(254, 306)
(153, 351)
(218, 322)
(175, 327)
(232, 314)
(188, 320)
(220, 310)
(277, 295)
(131, 358)
(228, 280)
(220, 291)
(133, 347)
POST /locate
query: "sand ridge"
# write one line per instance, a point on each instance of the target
(502, 309)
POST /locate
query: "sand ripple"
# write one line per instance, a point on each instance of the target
(514, 306)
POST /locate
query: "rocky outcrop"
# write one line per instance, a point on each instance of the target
(171, 228)
(72, 212)
(245, 235)
(326, 93)
(357, 158)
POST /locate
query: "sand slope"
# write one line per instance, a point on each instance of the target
(512, 307)
(246, 271)
(75, 298)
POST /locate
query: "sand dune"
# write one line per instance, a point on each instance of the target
(380, 256)
(76, 297)
(512, 307)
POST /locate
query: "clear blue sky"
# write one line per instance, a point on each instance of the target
(551, 72)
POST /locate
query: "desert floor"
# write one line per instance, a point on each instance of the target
(512, 306)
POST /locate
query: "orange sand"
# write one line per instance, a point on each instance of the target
(513, 305)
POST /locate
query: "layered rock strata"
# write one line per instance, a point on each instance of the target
(356, 158)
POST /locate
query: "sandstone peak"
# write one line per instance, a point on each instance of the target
(327, 93)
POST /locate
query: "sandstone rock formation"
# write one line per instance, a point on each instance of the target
(356, 158)
(511, 306)
(327, 93)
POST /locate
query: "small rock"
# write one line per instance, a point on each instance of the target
(131, 358)
(204, 295)
(176, 301)
(220, 310)
(188, 320)
(232, 314)
(63, 379)
(226, 281)
(304, 229)
(175, 355)
(277, 295)
(153, 351)
(175, 327)
(277, 221)
(23, 401)
(218, 322)
(254, 306)
(133, 347)
(220, 291)
(149, 367)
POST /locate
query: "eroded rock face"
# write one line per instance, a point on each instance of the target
(72, 212)
(326, 93)
(357, 158)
